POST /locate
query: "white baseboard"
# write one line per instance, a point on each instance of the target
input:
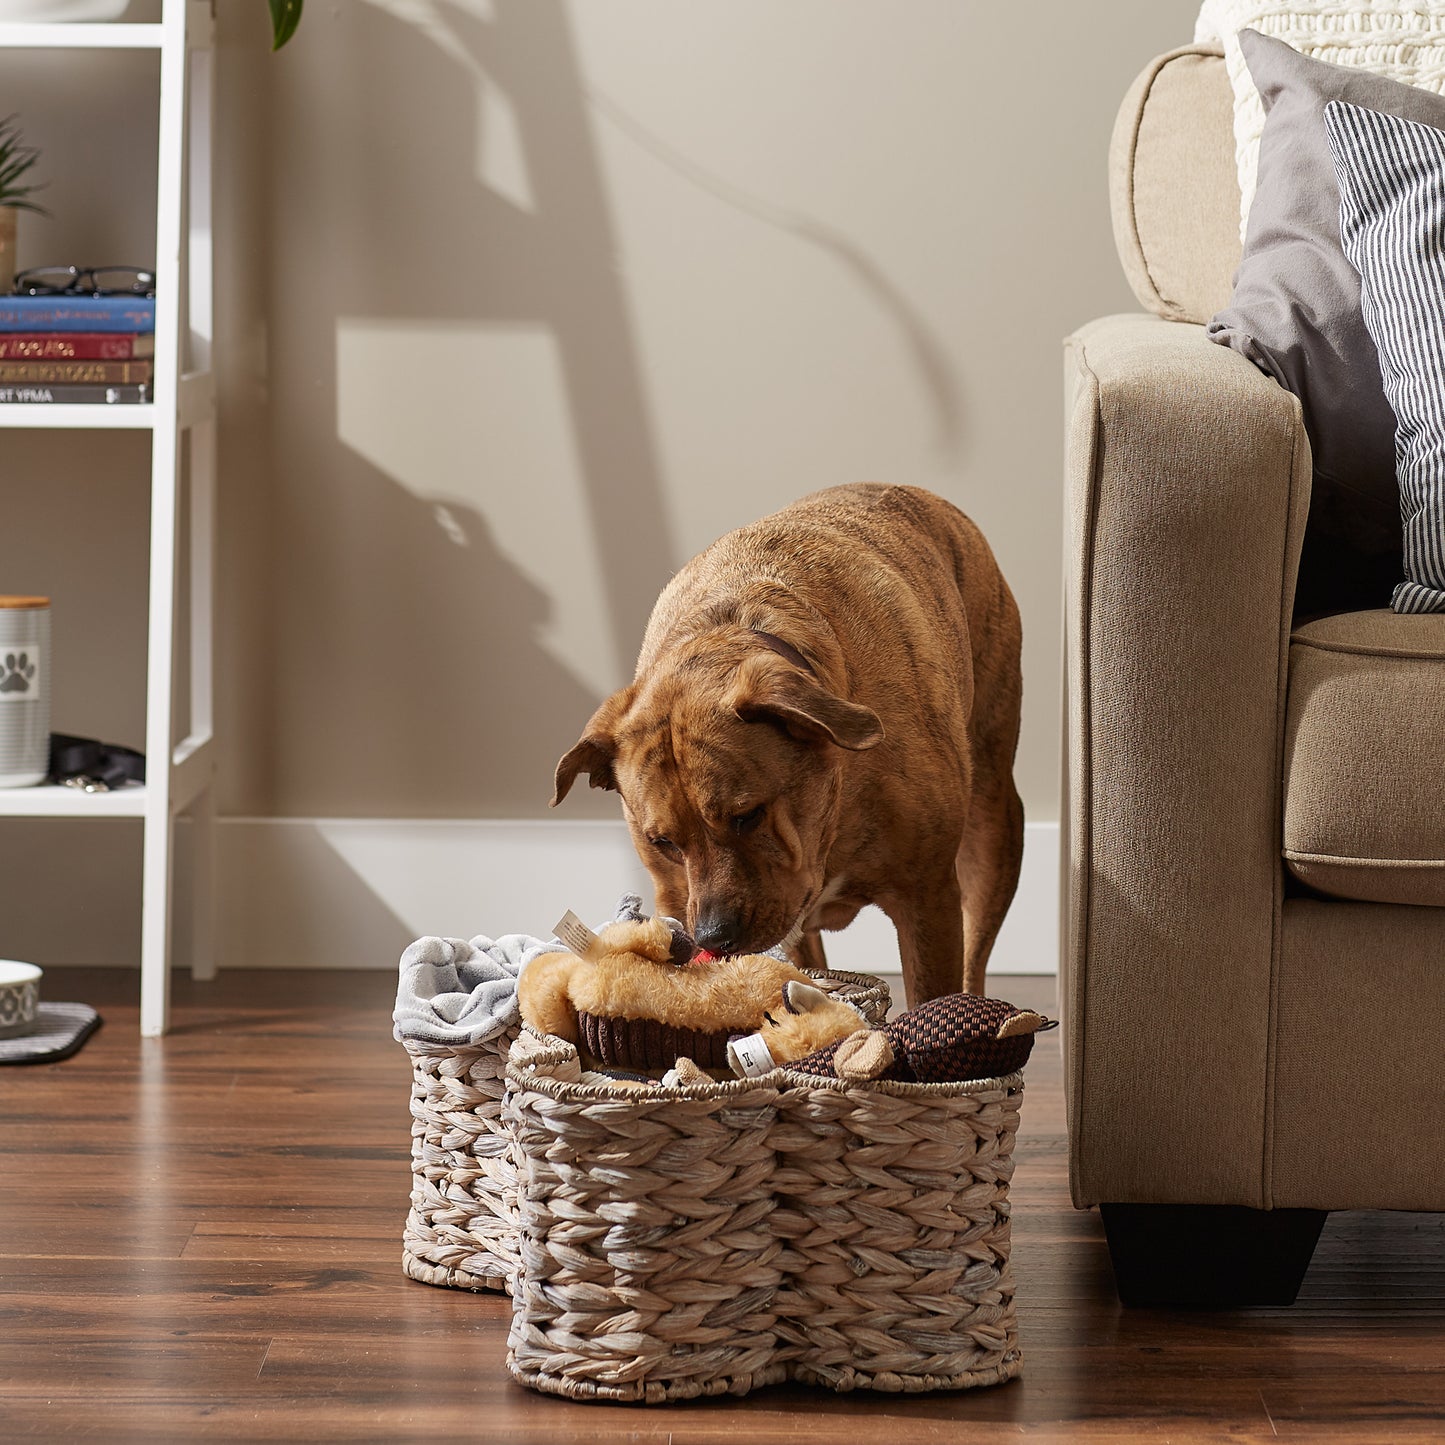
(352, 893)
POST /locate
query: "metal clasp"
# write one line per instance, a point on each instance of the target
(82, 783)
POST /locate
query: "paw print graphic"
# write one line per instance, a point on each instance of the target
(18, 673)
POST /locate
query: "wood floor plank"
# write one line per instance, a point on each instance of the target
(60, 1368)
(303, 1248)
(200, 1239)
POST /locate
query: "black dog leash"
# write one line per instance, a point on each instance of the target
(91, 766)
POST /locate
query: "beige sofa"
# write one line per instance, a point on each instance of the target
(1254, 951)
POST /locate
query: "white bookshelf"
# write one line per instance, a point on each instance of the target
(120, 417)
(53, 801)
(21, 35)
(179, 771)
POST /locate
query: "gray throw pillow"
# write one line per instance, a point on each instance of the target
(1392, 202)
(1296, 314)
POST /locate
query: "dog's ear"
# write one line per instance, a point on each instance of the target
(768, 690)
(595, 751)
(592, 756)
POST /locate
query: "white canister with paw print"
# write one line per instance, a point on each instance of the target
(24, 691)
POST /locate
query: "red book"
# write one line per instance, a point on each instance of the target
(74, 346)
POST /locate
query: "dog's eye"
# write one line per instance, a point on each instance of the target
(744, 823)
(666, 846)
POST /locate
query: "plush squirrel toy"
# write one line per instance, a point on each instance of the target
(624, 998)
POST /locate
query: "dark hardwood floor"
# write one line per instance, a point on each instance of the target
(199, 1239)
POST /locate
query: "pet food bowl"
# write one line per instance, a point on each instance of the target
(19, 997)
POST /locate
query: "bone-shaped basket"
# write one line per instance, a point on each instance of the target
(710, 1239)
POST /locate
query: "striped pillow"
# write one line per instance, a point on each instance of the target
(1392, 223)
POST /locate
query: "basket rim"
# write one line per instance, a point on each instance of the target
(845, 975)
(550, 1050)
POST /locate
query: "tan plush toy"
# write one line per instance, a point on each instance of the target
(625, 1002)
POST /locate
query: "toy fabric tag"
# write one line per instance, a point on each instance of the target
(575, 934)
(751, 1056)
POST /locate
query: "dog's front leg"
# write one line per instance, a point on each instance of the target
(929, 920)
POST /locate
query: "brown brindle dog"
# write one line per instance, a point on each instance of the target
(824, 715)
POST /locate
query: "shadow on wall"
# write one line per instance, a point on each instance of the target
(938, 383)
(417, 667)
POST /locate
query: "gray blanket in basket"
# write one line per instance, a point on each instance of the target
(461, 991)
(464, 991)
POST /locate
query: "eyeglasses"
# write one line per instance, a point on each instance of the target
(85, 281)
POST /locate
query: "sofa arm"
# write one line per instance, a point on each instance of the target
(1188, 484)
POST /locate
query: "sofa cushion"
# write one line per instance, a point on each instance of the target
(1364, 758)
(1179, 244)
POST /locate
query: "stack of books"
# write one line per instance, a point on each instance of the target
(88, 349)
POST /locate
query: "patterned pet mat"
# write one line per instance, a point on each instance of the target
(60, 1029)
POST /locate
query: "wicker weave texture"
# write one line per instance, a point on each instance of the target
(461, 1231)
(709, 1240)
(867, 994)
(462, 1228)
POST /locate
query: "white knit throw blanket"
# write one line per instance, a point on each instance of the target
(1403, 41)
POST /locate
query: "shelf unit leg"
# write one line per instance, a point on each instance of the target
(202, 457)
(165, 469)
(155, 927)
(203, 885)
(197, 228)
(158, 866)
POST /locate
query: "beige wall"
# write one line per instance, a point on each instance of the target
(558, 293)
(524, 302)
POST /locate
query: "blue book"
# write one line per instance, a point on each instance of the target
(132, 314)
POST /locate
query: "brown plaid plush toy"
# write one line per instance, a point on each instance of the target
(944, 1041)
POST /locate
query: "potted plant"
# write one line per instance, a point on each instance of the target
(16, 162)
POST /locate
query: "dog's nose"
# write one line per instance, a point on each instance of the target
(717, 934)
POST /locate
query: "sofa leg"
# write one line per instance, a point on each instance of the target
(1209, 1254)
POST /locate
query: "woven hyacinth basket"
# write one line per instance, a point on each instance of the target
(713, 1239)
(461, 1231)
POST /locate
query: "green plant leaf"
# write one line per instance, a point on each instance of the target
(13, 166)
(285, 17)
(16, 158)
